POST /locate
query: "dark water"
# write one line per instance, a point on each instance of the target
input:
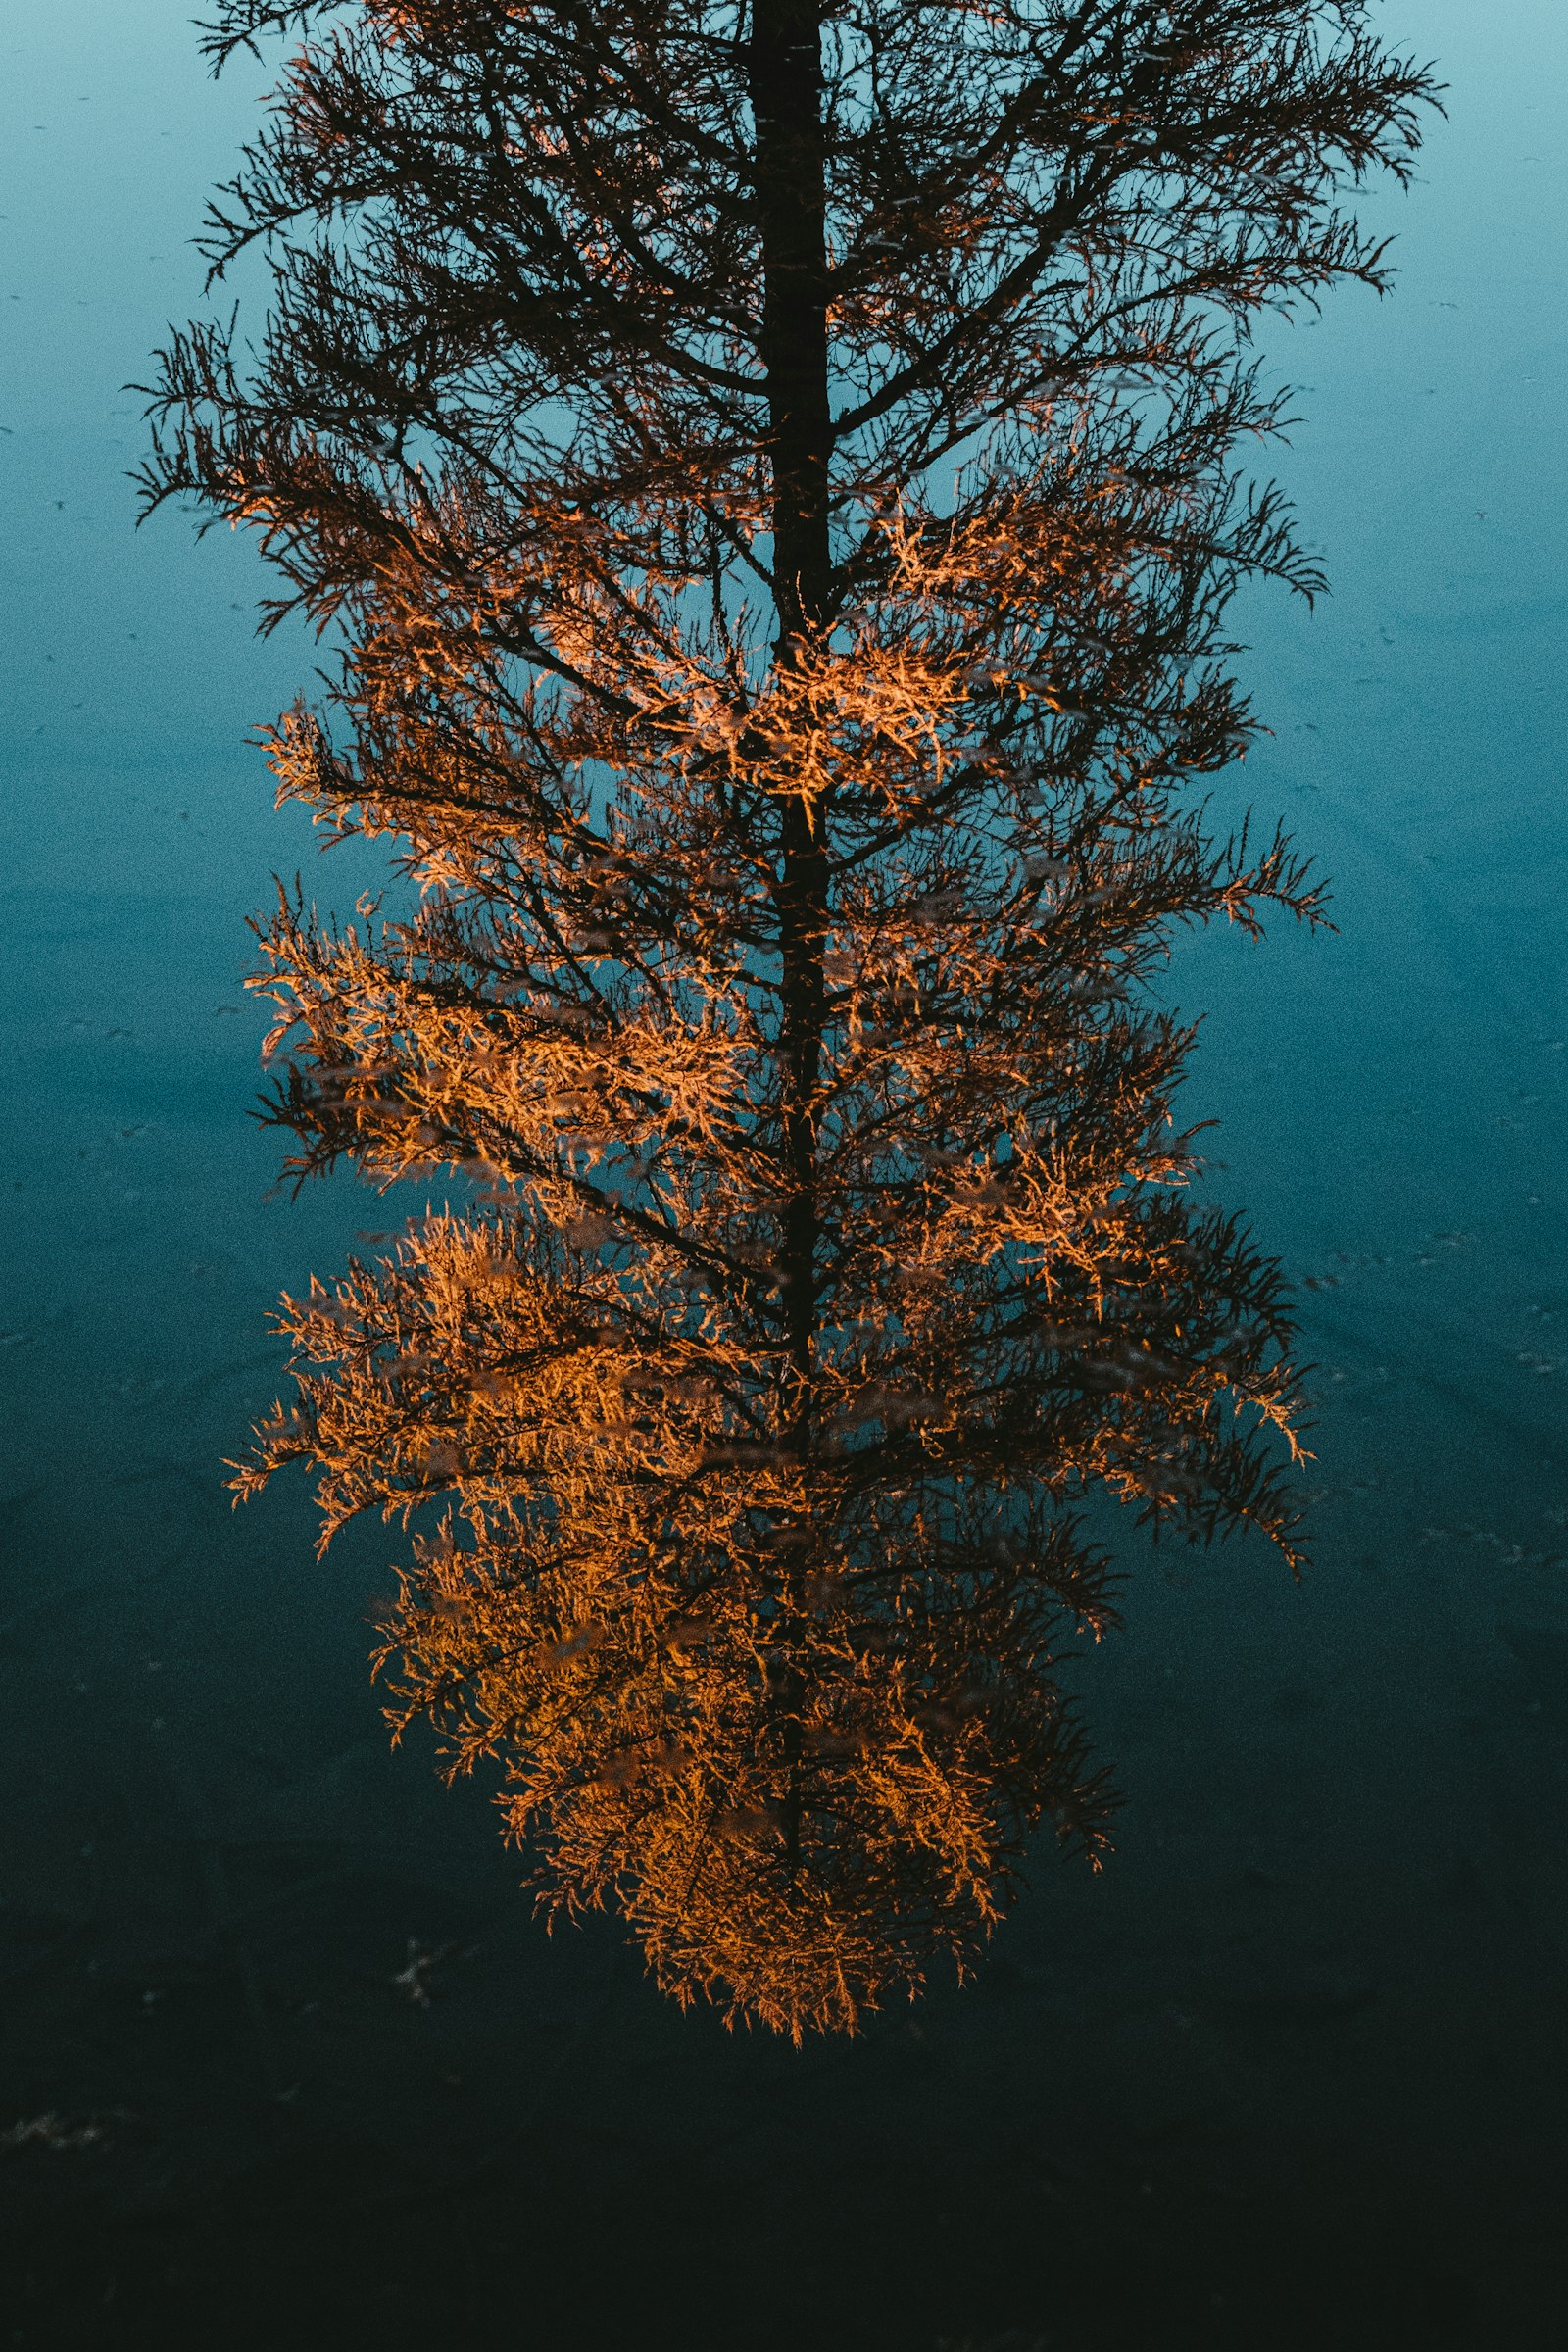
(1293, 2072)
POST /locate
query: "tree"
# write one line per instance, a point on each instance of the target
(773, 472)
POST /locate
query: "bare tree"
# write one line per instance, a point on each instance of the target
(774, 472)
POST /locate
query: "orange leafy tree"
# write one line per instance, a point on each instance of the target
(772, 471)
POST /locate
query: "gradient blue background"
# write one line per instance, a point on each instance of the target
(1294, 2071)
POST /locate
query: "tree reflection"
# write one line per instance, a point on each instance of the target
(775, 471)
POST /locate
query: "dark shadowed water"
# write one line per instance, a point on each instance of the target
(1293, 2072)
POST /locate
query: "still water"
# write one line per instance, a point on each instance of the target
(1293, 2072)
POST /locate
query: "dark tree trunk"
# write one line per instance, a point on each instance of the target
(785, 89)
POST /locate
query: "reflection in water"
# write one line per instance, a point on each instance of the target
(776, 482)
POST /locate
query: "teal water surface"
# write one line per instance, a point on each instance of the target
(1295, 2071)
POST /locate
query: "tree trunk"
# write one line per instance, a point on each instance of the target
(786, 88)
